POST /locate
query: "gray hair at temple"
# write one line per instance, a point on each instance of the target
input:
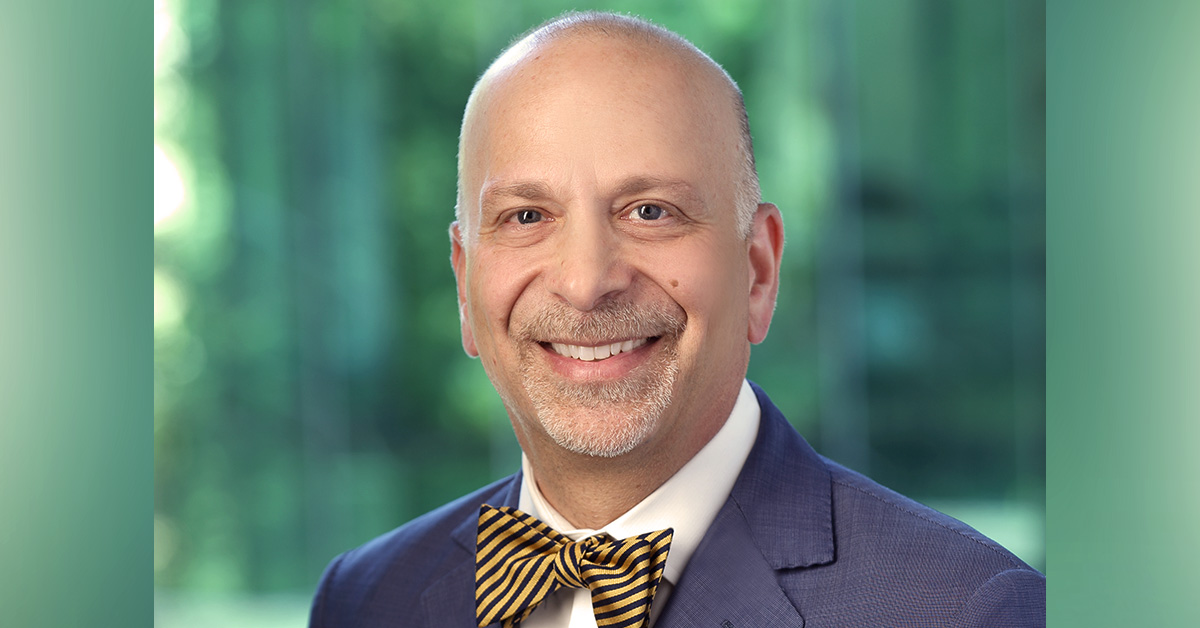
(747, 192)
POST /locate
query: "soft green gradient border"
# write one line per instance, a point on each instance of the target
(1123, 319)
(1123, 315)
(76, 472)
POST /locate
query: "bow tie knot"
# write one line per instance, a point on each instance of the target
(519, 561)
(570, 560)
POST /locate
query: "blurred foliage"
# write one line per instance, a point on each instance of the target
(310, 389)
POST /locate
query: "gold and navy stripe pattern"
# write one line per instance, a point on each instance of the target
(520, 560)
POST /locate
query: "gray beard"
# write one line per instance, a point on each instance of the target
(602, 419)
(605, 419)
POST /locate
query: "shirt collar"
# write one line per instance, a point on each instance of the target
(687, 502)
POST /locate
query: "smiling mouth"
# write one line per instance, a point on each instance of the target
(596, 353)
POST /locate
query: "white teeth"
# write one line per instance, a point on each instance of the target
(592, 354)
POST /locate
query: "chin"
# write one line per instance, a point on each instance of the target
(587, 432)
(603, 420)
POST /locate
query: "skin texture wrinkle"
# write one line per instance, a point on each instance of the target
(600, 181)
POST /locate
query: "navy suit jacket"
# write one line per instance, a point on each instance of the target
(801, 541)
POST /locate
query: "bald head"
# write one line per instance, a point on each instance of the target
(645, 58)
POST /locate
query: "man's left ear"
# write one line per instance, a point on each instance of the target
(766, 253)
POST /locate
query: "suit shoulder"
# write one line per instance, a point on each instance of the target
(905, 561)
(394, 569)
(884, 519)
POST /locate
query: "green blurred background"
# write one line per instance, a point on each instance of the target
(310, 391)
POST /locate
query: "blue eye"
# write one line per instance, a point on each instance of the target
(528, 216)
(649, 212)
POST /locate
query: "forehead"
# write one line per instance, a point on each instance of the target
(608, 108)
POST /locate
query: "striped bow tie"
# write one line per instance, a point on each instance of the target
(520, 560)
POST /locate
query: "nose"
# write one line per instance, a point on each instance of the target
(589, 267)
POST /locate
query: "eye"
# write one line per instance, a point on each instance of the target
(528, 216)
(648, 212)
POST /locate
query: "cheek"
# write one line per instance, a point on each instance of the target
(697, 269)
(497, 281)
(711, 288)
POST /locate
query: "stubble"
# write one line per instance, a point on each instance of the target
(605, 418)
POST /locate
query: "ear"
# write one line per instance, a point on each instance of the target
(458, 260)
(766, 253)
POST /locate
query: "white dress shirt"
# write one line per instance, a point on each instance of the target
(688, 502)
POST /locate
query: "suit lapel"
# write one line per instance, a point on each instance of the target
(449, 601)
(778, 516)
(786, 493)
(728, 583)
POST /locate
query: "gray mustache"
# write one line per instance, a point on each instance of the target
(605, 323)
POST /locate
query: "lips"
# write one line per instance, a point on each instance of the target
(592, 353)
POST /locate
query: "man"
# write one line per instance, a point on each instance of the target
(614, 265)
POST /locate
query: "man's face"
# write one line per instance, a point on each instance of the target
(602, 277)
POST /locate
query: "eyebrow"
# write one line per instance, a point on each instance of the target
(527, 190)
(539, 191)
(636, 185)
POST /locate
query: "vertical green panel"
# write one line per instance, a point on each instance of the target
(75, 312)
(1124, 352)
